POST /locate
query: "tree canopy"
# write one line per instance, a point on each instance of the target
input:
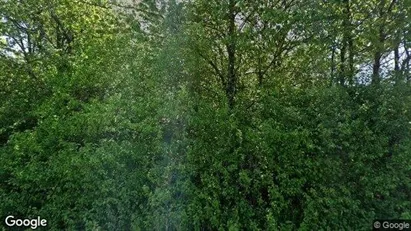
(205, 114)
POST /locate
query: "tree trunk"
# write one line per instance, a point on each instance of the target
(347, 47)
(351, 60)
(332, 63)
(350, 43)
(231, 51)
(342, 65)
(377, 57)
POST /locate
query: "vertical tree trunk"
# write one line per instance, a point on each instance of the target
(350, 43)
(377, 58)
(379, 47)
(342, 65)
(260, 72)
(397, 53)
(405, 66)
(347, 47)
(397, 73)
(231, 51)
(351, 60)
(332, 63)
(397, 59)
(376, 68)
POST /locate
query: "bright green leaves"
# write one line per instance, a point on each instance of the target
(204, 115)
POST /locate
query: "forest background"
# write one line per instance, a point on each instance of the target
(205, 114)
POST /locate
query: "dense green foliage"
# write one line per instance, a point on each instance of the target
(205, 114)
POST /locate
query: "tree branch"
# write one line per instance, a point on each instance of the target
(214, 66)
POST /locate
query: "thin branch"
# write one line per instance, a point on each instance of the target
(240, 28)
(391, 6)
(406, 61)
(214, 66)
